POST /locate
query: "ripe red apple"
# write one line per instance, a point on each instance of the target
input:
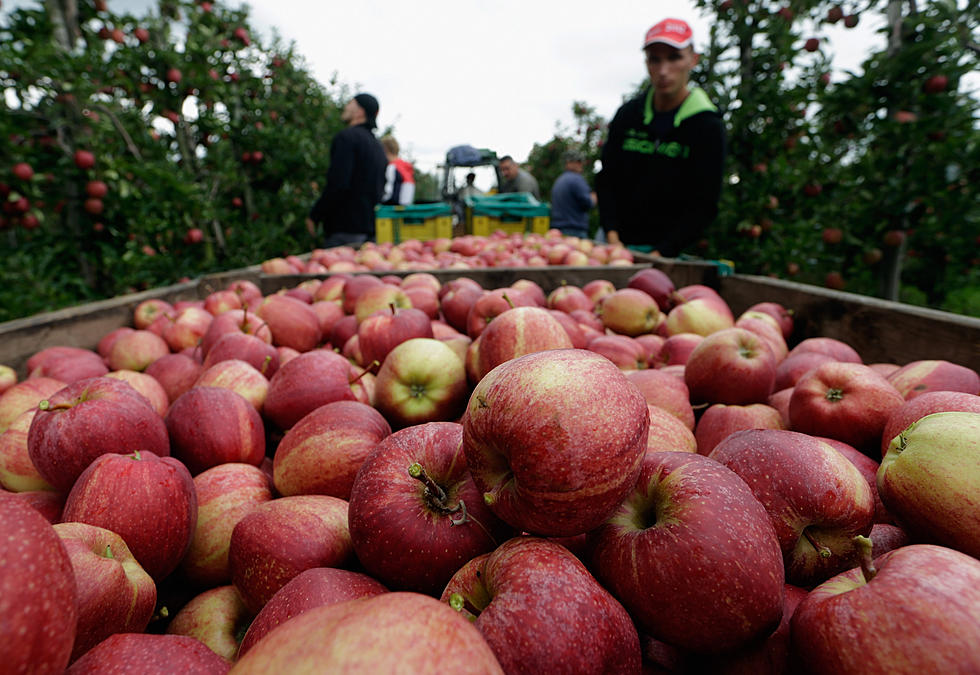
(456, 301)
(929, 480)
(84, 159)
(657, 284)
(935, 84)
(41, 361)
(782, 315)
(147, 500)
(115, 594)
(106, 341)
(239, 377)
(176, 373)
(719, 421)
(312, 588)
(857, 621)
(150, 653)
(209, 426)
(235, 321)
(414, 494)
(216, 617)
(540, 610)
(293, 322)
(17, 471)
(869, 469)
(624, 351)
(687, 508)
(664, 391)
(492, 304)
(23, 171)
(253, 350)
(519, 331)
(571, 327)
(667, 433)
(280, 538)
(149, 310)
(25, 396)
(598, 289)
(574, 403)
(817, 500)
(846, 401)
(382, 331)
(219, 302)
(793, 367)
(732, 366)
(838, 349)
(322, 453)
(377, 634)
(304, 383)
(567, 298)
(918, 377)
(136, 350)
(225, 494)
(922, 405)
(147, 386)
(38, 596)
(87, 419)
(421, 380)
(677, 349)
(768, 329)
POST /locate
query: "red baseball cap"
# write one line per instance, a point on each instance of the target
(673, 32)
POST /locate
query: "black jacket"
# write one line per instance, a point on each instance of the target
(355, 183)
(662, 190)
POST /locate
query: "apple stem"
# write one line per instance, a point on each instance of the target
(46, 405)
(392, 305)
(865, 547)
(820, 548)
(507, 298)
(135, 456)
(108, 551)
(834, 394)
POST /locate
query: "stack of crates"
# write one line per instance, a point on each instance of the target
(511, 212)
(424, 222)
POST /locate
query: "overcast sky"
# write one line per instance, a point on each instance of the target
(495, 74)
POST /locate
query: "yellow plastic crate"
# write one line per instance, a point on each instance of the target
(485, 225)
(424, 222)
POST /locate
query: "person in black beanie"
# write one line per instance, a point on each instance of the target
(355, 178)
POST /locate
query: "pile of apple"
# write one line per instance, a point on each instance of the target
(500, 249)
(380, 474)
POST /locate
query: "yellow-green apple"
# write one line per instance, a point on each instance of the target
(732, 366)
(926, 404)
(176, 373)
(48, 503)
(629, 311)
(567, 298)
(492, 304)
(456, 301)
(304, 383)
(519, 331)
(244, 347)
(541, 610)
(846, 401)
(858, 621)
(136, 351)
(149, 653)
(384, 633)
(382, 331)
(704, 315)
(68, 364)
(765, 327)
(674, 554)
(840, 350)
(220, 301)
(239, 377)
(918, 377)
(622, 350)
(664, 391)
(147, 385)
(8, 377)
(667, 433)
(816, 498)
(104, 346)
(322, 452)
(792, 368)
(868, 468)
(677, 349)
(148, 500)
(554, 440)
(312, 588)
(17, 471)
(209, 426)
(115, 594)
(225, 494)
(571, 327)
(929, 480)
(380, 297)
(293, 322)
(38, 596)
(597, 289)
(149, 310)
(655, 283)
(87, 419)
(421, 380)
(235, 321)
(533, 290)
(187, 327)
(416, 515)
(217, 617)
(783, 316)
(280, 538)
(720, 420)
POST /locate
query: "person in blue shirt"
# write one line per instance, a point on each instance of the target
(571, 198)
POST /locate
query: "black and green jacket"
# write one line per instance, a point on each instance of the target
(662, 191)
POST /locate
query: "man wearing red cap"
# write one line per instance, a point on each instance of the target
(663, 159)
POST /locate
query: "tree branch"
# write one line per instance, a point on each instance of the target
(122, 131)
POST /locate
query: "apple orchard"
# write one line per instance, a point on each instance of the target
(405, 473)
(139, 150)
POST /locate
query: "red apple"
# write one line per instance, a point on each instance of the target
(922, 405)
(221, 301)
(186, 327)
(379, 333)
(235, 321)
(38, 596)
(49, 504)
(304, 383)
(674, 554)
(239, 377)
(667, 433)
(87, 419)
(533, 290)
(568, 298)
(209, 426)
(136, 350)
(719, 421)
(768, 329)
(839, 350)
(519, 331)
(554, 440)
(869, 469)
(677, 349)
(149, 310)
(783, 316)
(571, 327)
(792, 368)
(918, 377)
(655, 283)
(597, 289)
(456, 301)
(293, 322)
(150, 653)
(217, 617)
(732, 366)
(176, 373)
(664, 391)
(280, 538)
(115, 594)
(147, 386)
(622, 350)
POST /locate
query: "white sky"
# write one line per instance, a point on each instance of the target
(495, 74)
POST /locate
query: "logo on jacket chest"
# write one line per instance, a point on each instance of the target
(640, 141)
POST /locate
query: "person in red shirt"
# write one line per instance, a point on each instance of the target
(399, 175)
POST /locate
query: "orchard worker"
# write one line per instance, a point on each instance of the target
(571, 198)
(663, 159)
(517, 179)
(399, 175)
(355, 178)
